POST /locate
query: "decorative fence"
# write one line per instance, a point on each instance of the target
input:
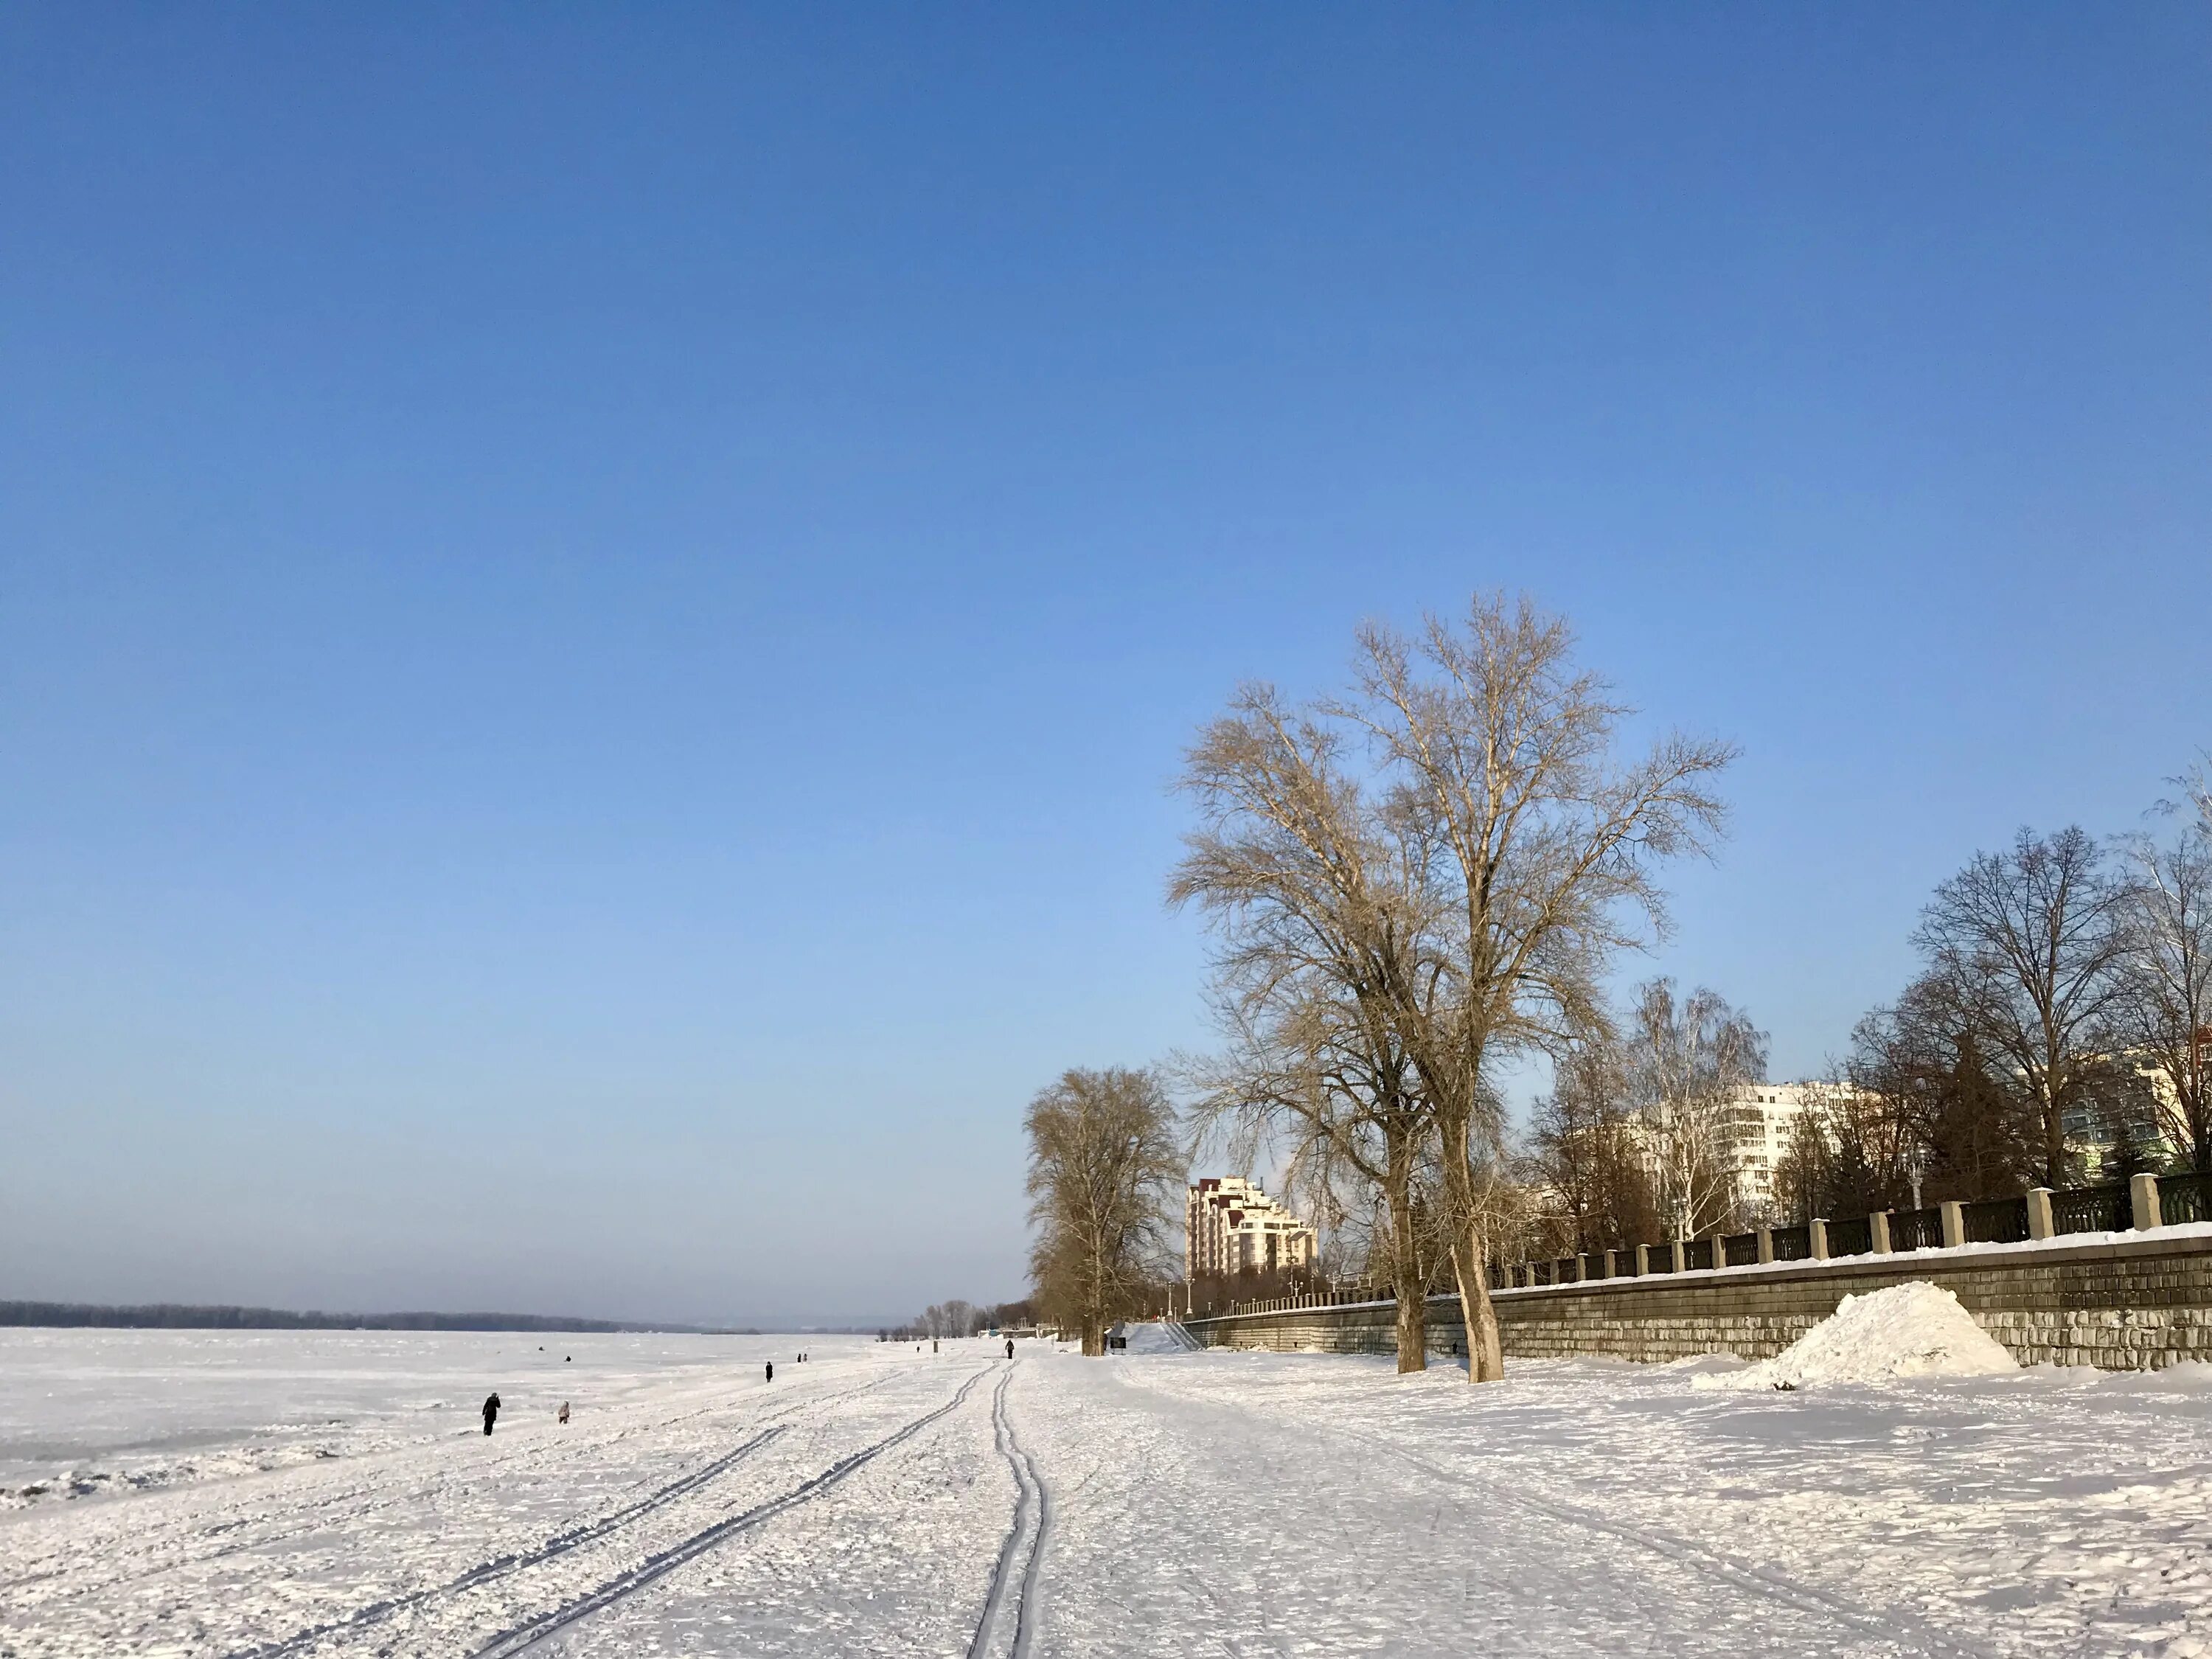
(2145, 1202)
(2186, 1198)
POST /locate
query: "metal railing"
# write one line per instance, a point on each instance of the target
(2091, 1210)
(1916, 1229)
(2184, 1199)
(1996, 1221)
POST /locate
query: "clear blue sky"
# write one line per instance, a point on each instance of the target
(596, 604)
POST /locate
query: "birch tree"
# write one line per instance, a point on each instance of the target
(1684, 1064)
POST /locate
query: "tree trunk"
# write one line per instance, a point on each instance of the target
(1408, 1283)
(1486, 1353)
(1094, 1340)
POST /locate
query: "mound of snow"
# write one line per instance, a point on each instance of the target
(1907, 1330)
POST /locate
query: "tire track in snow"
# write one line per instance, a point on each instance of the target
(528, 1635)
(500, 1566)
(560, 1544)
(1029, 1498)
(185, 1550)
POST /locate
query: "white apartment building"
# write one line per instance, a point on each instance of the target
(1755, 1129)
(1230, 1226)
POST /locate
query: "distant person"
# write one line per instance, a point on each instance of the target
(564, 1412)
(933, 1345)
(771, 1370)
(1010, 1347)
(491, 1411)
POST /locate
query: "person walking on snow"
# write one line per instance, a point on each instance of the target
(564, 1411)
(491, 1410)
(1010, 1347)
(771, 1370)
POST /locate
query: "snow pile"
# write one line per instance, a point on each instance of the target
(1907, 1330)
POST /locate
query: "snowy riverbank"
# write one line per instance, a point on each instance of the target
(878, 1501)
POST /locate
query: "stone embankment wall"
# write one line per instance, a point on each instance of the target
(2126, 1304)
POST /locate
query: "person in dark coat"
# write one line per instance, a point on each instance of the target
(1010, 1347)
(771, 1370)
(491, 1410)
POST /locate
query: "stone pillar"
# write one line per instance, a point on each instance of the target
(1681, 1256)
(1720, 1252)
(1642, 1260)
(1816, 1240)
(2142, 1199)
(1954, 1223)
(2039, 1212)
(1613, 1264)
(1877, 1225)
(1766, 1244)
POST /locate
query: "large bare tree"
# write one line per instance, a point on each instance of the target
(1105, 1160)
(2023, 945)
(1546, 846)
(1316, 892)
(2163, 1009)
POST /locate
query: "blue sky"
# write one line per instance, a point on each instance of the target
(598, 605)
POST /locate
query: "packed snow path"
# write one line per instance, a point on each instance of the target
(878, 1501)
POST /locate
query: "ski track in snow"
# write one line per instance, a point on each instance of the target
(1025, 1540)
(878, 1501)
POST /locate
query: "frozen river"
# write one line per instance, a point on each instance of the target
(140, 1408)
(311, 1494)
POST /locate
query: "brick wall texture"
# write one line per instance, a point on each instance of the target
(2134, 1305)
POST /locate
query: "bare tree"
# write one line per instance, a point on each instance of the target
(1586, 1158)
(2022, 946)
(2195, 791)
(1685, 1063)
(1316, 893)
(1545, 849)
(1103, 1162)
(2163, 1010)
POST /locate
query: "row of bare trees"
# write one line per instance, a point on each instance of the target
(2062, 1011)
(1636, 1141)
(942, 1320)
(1413, 884)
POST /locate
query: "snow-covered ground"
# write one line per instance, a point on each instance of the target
(881, 1501)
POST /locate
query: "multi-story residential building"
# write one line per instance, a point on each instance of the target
(1755, 1129)
(1231, 1226)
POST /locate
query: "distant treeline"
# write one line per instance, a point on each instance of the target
(170, 1315)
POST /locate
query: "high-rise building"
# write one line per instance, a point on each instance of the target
(1231, 1226)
